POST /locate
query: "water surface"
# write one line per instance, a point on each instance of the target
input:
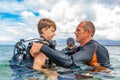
(6, 52)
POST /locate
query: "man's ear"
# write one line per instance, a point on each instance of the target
(88, 32)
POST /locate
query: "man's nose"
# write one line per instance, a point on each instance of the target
(74, 32)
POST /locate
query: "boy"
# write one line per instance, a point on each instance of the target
(46, 29)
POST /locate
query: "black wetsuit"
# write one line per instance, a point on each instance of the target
(83, 55)
(68, 51)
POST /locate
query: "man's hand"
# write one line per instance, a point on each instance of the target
(35, 49)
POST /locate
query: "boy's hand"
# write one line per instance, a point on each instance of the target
(35, 48)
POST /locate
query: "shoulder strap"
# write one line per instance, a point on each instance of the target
(95, 47)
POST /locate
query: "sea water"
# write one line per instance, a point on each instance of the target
(6, 52)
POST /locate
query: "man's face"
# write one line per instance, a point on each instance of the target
(70, 45)
(80, 33)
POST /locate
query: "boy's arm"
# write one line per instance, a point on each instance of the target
(35, 48)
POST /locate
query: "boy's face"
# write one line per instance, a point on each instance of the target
(49, 33)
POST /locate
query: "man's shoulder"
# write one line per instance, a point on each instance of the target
(96, 45)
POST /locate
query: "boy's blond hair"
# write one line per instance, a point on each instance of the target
(45, 23)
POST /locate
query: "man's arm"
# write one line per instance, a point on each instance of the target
(55, 55)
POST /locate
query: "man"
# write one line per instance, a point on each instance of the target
(89, 52)
(71, 47)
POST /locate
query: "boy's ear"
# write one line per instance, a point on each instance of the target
(44, 30)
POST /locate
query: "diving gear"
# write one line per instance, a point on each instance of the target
(21, 55)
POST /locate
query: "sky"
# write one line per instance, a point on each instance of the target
(19, 18)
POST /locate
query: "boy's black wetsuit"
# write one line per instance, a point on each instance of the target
(85, 55)
(22, 59)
